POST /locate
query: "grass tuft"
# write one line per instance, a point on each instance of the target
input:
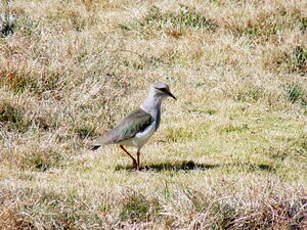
(300, 59)
(296, 93)
(85, 132)
(135, 208)
(251, 94)
(41, 159)
(11, 116)
(17, 82)
(185, 17)
(175, 134)
(232, 128)
(225, 215)
(173, 23)
(261, 29)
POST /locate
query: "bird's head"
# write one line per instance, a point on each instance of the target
(161, 89)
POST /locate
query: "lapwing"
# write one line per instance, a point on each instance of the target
(136, 128)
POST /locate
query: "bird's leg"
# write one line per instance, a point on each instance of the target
(138, 160)
(133, 159)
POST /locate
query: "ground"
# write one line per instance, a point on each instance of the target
(230, 153)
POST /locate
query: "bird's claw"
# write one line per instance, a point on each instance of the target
(136, 166)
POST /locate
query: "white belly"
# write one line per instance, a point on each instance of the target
(142, 137)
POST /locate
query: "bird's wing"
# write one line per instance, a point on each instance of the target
(135, 122)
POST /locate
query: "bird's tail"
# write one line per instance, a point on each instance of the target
(95, 147)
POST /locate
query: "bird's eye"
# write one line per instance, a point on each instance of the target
(164, 90)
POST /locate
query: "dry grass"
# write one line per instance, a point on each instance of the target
(230, 153)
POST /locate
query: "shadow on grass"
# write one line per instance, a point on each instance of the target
(265, 167)
(191, 165)
(251, 166)
(171, 166)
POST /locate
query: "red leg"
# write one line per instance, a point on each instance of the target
(133, 159)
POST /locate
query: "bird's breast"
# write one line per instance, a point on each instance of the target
(146, 133)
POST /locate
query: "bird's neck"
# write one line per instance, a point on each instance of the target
(152, 105)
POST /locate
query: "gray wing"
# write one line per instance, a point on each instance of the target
(135, 122)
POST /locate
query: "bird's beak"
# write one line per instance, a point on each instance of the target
(171, 95)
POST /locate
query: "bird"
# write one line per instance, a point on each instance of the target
(138, 126)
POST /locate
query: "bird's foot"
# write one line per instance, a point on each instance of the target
(135, 165)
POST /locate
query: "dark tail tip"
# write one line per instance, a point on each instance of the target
(95, 147)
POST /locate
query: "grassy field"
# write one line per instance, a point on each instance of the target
(230, 153)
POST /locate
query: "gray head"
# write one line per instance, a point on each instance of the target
(161, 89)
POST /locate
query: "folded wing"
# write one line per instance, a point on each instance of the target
(135, 122)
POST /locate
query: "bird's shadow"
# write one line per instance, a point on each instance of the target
(191, 165)
(171, 166)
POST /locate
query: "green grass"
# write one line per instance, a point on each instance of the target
(297, 93)
(172, 23)
(135, 208)
(186, 17)
(12, 117)
(230, 153)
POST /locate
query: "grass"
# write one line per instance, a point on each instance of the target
(296, 93)
(185, 17)
(11, 116)
(173, 24)
(230, 152)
